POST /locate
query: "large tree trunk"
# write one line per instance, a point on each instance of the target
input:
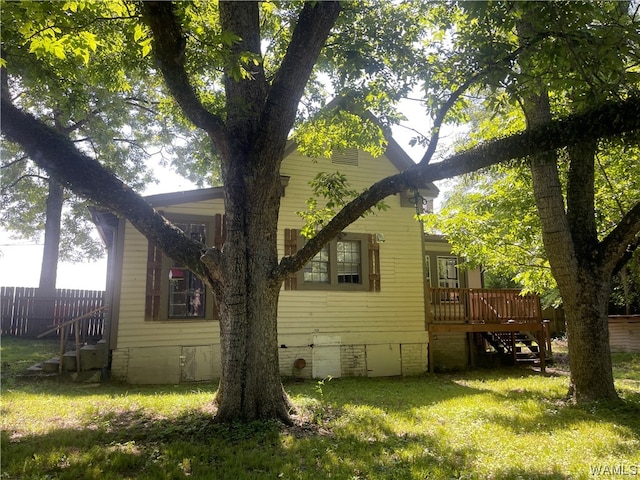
(250, 385)
(585, 304)
(570, 243)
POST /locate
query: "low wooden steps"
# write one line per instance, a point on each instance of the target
(92, 357)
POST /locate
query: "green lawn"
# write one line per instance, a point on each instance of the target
(510, 423)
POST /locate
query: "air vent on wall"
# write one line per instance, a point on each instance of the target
(347, 157)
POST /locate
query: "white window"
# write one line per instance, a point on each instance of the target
(173, 291)
(340, 265)
(186, 290)
(317, 270)
(448, 272)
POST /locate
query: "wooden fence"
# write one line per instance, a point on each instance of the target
(24, 313)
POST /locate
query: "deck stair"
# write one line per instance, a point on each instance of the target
(519, 347)
(494, 326)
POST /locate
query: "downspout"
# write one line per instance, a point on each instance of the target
(108, 296)
(419, 203)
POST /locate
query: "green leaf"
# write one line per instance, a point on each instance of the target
(138, 32)
(58, 51)
(146, 47)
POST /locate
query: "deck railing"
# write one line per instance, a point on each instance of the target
(475, 305)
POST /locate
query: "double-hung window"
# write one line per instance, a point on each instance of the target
(448, 277)
(349, 261)
(342, 264)
(448, 272)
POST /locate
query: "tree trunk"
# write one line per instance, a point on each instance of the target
(44, 308)
(585, 304)
(250, 384)
(49, 268)
(570, 243)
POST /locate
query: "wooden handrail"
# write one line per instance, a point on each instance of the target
(69, 322)
(62, 326)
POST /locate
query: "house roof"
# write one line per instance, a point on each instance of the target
(394, 152)
(186, 196)
(105, 221)
(199, 195)
(396, 155)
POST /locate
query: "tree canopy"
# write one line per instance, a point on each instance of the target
(237, 73)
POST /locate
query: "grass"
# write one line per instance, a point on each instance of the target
(500, 424)
(17, 354)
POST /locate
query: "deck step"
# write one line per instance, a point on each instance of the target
(92, 357)
(52, 365)
(527, 350)
(69, 361)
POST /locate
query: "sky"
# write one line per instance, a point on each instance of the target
(20, 260)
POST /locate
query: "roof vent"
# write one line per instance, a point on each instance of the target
(347, 157)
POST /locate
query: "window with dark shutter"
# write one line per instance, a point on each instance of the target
(173, 292)
(349, 262)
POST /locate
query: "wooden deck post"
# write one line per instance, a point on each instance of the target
(77, 347)
(542, 347)
(62, 334)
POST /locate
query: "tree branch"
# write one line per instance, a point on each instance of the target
(617, 247)
(13, 162)
(608, 120)
(309, 36)
(458, 92)
(86, 177)
(169, 44)
(245, 95)
(19, 179)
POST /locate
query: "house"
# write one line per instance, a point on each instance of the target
(163, 323)
(395, 303)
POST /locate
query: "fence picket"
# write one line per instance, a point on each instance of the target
(20, 305)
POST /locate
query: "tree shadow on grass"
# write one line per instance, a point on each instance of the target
(64, 386)
(389, 393)
(136, 444)
(557, 413)
(352, 436)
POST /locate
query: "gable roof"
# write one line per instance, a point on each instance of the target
(396, 155)
(198, 195)
(394, 152)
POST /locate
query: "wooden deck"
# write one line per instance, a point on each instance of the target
(497, 315)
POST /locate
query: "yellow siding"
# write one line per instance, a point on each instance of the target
(133, 330)
(394, 316)
(398, 308)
